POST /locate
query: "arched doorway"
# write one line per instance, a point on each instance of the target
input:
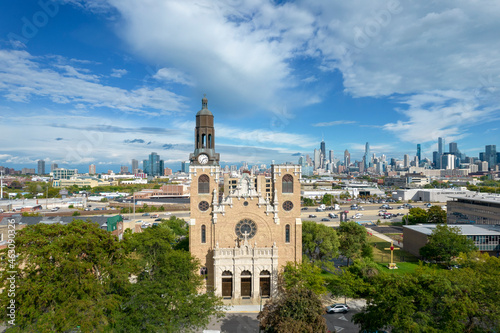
(227, 284)
(265, 284)
(246, 284)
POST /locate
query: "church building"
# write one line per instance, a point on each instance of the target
(245, 229)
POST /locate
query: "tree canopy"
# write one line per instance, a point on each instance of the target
(295, 310)
(303, 275)
(353, 240)
(67, 276)
(78, 275)
(435, 300)
(320, 243)
(446, 243)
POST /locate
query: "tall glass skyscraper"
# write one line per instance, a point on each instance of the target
(153, 166)
(419, 153)
(367, 159)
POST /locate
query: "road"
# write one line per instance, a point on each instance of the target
(370, 213)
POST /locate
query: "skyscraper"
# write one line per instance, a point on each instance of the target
(153, 166)
(490, 155)
(331, 156)
(419, 152)
(347, 159)
(322, 148)
(41, 167)
(406, 161)
(135, 165)
(53, 166)
(454, 148)
(441, 143)
(92, 169)
(317, 159)
(367, 156)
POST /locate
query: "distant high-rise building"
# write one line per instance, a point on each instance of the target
(406, 161)
(124, 169)
(317, 159)
(441, 143)
(331, 156)
(135, 165)
(185, 167)
(28, 171)
(167, 172)
(347, 159)
(419, 152)
(454, 148)
(92, 169)
(53, 166)
(448, 161)
(41, 167)
(302, 161)
(490, 156)
(308, 160)
(367, 156)
(154, 165)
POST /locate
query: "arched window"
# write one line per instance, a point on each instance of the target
(203, 140)
(203, 234)
(203, 184)
(287, 233)
(197, 140)
(287, 184)
(210, 141)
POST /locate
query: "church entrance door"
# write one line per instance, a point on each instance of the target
(227, 284)
(227, 287)
(246, 284)
(265, 286)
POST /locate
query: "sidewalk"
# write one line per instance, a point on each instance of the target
(384, 237)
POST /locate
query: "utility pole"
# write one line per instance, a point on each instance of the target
(134, 206)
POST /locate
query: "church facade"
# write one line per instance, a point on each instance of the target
(243, 229)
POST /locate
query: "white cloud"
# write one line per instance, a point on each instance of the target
(23, 76)
(173, 75)
(334, 123)
(118, 72)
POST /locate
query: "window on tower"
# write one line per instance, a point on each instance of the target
(203, 184)
(287, 233)
(210, 141)
(287, 183)
(203, 141)
(203, 234)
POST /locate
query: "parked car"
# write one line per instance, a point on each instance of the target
(335, 308)
(312, 215)
(325, 219)
(96, 208)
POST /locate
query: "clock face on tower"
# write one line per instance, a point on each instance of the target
(203, 158)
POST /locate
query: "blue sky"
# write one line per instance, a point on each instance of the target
(105, 81)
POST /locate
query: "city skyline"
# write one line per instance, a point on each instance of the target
(98, 82)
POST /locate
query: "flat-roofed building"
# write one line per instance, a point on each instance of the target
(485, 237)
(474, 209)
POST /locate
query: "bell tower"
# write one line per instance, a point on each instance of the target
(204, 138)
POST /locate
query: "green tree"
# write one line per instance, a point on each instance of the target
(328, 199)
(431, 300)
(67, 276)
(436, 215)
(319, 242)
(303, 275)
(417, 215)
(353, 240)
(446, 243)
(166, 296)
(308, 201)
(297, 310)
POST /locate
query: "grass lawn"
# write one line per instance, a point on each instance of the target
(403, 267)
(384, 256)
